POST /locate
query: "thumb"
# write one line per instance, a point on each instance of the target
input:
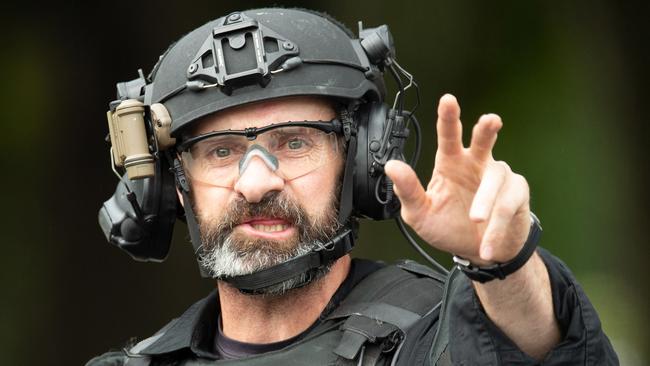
(407, 186)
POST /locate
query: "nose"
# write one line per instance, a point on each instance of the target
(257, 180)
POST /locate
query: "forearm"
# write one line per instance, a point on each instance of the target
(522, 307)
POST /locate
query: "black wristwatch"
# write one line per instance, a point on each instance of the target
(501, 270)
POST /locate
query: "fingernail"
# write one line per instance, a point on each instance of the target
(495, 120)
(388, 166)
(477, 214)
(486, 252)
(449, 96)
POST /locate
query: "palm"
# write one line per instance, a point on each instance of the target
(446, 223)
(471, 201)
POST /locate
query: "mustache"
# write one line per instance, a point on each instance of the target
(273, 204)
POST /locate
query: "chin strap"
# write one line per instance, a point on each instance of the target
(334, 249)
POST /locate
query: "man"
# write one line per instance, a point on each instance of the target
(273, 125)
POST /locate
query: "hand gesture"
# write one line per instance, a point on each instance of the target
(474, 207)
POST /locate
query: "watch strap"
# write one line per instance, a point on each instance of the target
(501, 270)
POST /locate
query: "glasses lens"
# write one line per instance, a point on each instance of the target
(299, 150)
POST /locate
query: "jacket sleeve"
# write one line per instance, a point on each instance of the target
(475, 340)
(114, 358)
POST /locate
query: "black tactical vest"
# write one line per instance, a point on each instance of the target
(390, 318)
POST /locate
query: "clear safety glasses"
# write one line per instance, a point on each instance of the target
(290, 149)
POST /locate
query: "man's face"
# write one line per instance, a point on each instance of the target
(263, 218)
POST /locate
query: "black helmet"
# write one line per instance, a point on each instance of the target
(261, 54)
(241, 58)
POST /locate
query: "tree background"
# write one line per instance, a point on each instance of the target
(568, 78)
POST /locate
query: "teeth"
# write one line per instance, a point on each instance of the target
(269, 228)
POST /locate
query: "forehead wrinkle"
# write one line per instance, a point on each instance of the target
(266, 112)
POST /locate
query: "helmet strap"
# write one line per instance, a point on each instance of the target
(190, 217)
(329, 252)
(347, 186)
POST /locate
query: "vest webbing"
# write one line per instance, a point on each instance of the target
(368, 328)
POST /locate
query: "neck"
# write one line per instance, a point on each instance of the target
(268, 319)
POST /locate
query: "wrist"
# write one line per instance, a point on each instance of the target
(485, 273)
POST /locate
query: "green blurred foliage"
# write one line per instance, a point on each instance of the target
(569, 80)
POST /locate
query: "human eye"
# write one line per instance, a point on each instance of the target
(296, 143)
(220, 151)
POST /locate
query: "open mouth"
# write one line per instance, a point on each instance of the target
(271, 228)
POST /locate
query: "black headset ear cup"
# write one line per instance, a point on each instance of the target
(371, 120)
(148, 237)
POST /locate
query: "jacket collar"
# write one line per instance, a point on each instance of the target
(196, 328)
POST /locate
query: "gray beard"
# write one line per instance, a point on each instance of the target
(226, 254)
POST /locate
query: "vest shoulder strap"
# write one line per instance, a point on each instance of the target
(440, 353)
(381, 309)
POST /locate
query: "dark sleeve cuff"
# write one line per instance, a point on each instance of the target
(114, 358)
(475, 339)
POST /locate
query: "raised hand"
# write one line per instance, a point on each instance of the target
(474, 206)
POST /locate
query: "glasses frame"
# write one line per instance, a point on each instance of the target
(251, 133)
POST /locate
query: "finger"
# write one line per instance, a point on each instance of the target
(449, 128)
(408, 188)
(512, 197)
(491, 183)
(484, 135)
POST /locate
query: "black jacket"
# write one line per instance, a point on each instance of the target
(455, 332)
